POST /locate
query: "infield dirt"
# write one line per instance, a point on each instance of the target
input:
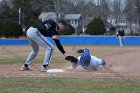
(124, 61)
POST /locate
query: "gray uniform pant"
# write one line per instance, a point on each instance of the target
(121, 41)
(36, 39)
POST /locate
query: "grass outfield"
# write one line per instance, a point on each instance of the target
(68, 85)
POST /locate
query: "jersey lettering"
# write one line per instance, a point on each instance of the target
(47, 26)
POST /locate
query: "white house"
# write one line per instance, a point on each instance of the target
(47, 15)
(118, 22)
(74, 20)
(122, 22)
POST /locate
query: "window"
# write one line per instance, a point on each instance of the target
(111, 21)
(76, 22)
(123, 21)
(72, 22)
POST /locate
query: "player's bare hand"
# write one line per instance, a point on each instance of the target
(65, 55)
(55, 37)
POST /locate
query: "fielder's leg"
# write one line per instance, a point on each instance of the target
(48, 56)
(120, 41)
(34, 52)
(43, 41)
(35, 48)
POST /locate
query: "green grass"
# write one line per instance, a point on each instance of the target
(21, 61)
(67, 85)
(16, 61)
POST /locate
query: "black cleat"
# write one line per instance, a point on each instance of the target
(104, 63)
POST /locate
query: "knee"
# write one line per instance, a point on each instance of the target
(35, 52)
(50, 48)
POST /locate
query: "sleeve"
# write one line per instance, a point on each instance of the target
(59, 46)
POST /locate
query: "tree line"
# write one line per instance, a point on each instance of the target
(30, 9)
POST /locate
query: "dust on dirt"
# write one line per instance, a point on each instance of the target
(124, 61)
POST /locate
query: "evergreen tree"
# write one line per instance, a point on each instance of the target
(68, 31)
(96, 27)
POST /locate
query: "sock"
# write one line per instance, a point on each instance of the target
(26, 65)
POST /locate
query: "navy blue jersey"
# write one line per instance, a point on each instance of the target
(48, 28)
(121, 33)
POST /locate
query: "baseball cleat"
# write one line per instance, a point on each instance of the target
(44, 68)
(103, 62)
(25, 67)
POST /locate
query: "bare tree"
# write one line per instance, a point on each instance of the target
(67, 6)
(87, 8)
(137, 8)
(104, 9)
(116, 10)
(132, 11)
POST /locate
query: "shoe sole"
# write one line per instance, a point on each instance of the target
(25, 69)
(43, 70)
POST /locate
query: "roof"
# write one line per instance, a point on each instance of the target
(48, 15)
(72, 16)
(52, 15)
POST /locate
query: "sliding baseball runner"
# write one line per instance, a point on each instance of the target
(86, 60)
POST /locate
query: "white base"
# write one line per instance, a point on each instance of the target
(55, 70)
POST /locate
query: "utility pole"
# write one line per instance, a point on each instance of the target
(57, 9)
(119, 12)
(19, 19)
(99, 9)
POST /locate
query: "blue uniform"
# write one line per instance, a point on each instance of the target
(89, 62)
(38, 36)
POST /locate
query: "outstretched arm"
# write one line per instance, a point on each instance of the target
(59, 46)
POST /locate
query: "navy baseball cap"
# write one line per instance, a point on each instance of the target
(62, 22)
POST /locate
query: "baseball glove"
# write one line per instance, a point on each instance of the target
(71, 58)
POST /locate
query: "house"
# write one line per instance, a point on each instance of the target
(118, 22)
(47, 15)
(122, 22)
(74, 20)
